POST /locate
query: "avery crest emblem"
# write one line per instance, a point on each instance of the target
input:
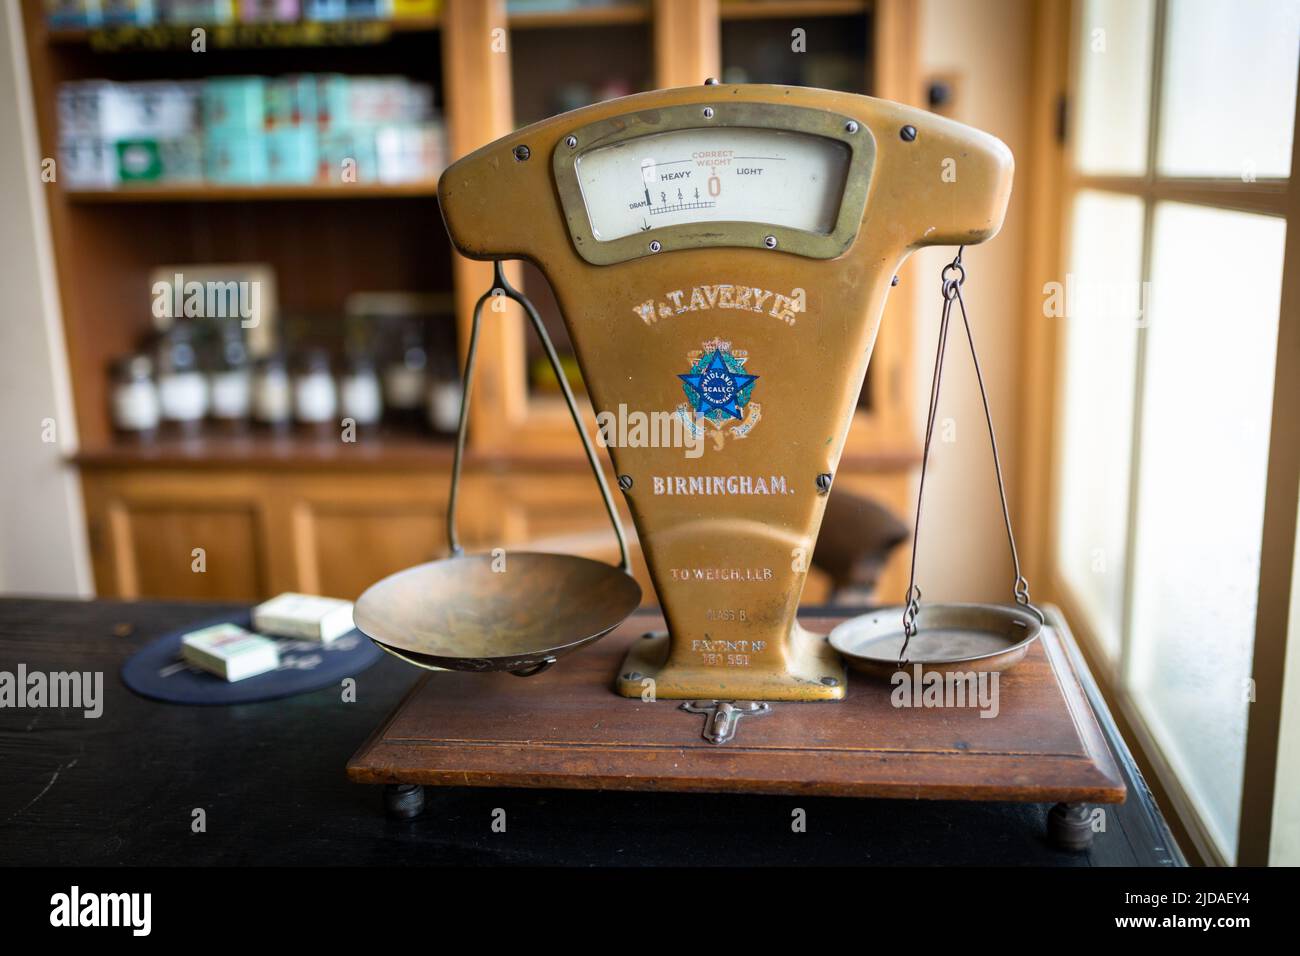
(719, 391)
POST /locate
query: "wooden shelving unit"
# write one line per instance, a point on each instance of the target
(299, 514)
(242, 35)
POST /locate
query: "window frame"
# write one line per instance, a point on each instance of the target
(1057, 71)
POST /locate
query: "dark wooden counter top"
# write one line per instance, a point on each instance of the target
(121, 789)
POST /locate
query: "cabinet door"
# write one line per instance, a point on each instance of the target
(560, 512)
(348, 531)
(189, 536)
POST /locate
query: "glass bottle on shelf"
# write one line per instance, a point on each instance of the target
(360, 395)
(135, 397)
(406, 375)
(315, 399)
(230, 382)
(182, 391)
(272, 393)
(444, 396)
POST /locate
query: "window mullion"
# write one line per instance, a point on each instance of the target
(1135, 456)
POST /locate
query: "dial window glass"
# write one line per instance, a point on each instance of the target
(686, 176)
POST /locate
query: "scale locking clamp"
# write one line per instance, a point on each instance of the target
(723, 716)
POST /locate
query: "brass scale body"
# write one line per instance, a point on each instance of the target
(729, 569)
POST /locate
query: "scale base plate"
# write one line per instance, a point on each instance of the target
(815, 672)
(566, 729)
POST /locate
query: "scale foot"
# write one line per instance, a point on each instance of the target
(403, 801)
(1069, 826)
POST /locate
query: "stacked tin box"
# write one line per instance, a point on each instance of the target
(112, 133)
(80, 14)
(324, 128)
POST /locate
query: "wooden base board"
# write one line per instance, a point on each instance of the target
(567, 728)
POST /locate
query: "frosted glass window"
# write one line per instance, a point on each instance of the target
(1104, 306)
(1114, 51)
(1207, 402)
(1229, 88)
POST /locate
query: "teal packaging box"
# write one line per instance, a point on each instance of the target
(73, 14)
(292, 155)
(235, 158)
(332, 101)
(140, 13)
(174, 160)
(348, 156)
(234, 104)
(325, 10)
(291, 101)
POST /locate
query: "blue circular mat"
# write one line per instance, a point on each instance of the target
(158, 672)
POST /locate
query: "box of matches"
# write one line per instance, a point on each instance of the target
(229, 651)
(306, 617)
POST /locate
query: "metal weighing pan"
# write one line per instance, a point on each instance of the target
(949, 637)
(476, 613)
(943, 638)
(509, 611)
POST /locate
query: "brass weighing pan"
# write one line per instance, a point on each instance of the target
(945, 637)
(463, 614)
(506, 611)
(949, 637)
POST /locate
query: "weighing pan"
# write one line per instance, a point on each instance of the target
(944, 638)
(949, 637)
(506, 611)
(518, 613)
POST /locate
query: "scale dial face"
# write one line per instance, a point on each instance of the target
(726, 175)
(729, 174)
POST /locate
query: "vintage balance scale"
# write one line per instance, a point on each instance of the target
(720, 254)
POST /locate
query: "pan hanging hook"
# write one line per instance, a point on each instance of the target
(952, 277)
(501, 287)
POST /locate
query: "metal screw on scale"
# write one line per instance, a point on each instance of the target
(824, 483)
(625, 482)
(908, 133)
(522, 153)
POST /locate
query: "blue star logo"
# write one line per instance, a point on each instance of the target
(716, 386)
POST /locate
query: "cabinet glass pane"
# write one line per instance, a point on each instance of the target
(1103, 306)
(1228, 98)
(1114, 51)
(1207, 401)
